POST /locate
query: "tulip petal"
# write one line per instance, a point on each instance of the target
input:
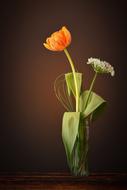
(59, 40)
(67, 35)
(47, 46)
(55, 45)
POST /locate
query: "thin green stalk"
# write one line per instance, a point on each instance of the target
(74, 75)
(90, 90)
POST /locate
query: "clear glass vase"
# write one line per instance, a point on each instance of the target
(79, 158)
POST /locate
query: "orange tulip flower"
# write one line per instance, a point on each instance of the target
(59, 40)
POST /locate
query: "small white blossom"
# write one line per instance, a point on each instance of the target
(101, 66)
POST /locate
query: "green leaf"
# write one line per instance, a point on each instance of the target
(94, 106)
(70, 127)
(70, 82)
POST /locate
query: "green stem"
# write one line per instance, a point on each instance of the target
(90, 90)
(74, 75)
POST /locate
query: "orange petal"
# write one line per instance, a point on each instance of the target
(47, 46)
(50, 41)
(59, 40)
(67, 35)
(55, 45)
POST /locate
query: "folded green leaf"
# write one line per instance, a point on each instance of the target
(70, 127)
(94, 106)
(70, 82)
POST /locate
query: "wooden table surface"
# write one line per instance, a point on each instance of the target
(62, 181)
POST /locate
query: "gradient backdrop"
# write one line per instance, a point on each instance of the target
(30, 130)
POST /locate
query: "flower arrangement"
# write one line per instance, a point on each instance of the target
(83, 106)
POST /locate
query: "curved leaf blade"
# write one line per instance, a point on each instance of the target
(95, 104)
(70, 82)
(70, 127)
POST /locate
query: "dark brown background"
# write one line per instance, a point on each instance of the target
(30, 130)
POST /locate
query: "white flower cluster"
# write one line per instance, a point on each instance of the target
(101, 66)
